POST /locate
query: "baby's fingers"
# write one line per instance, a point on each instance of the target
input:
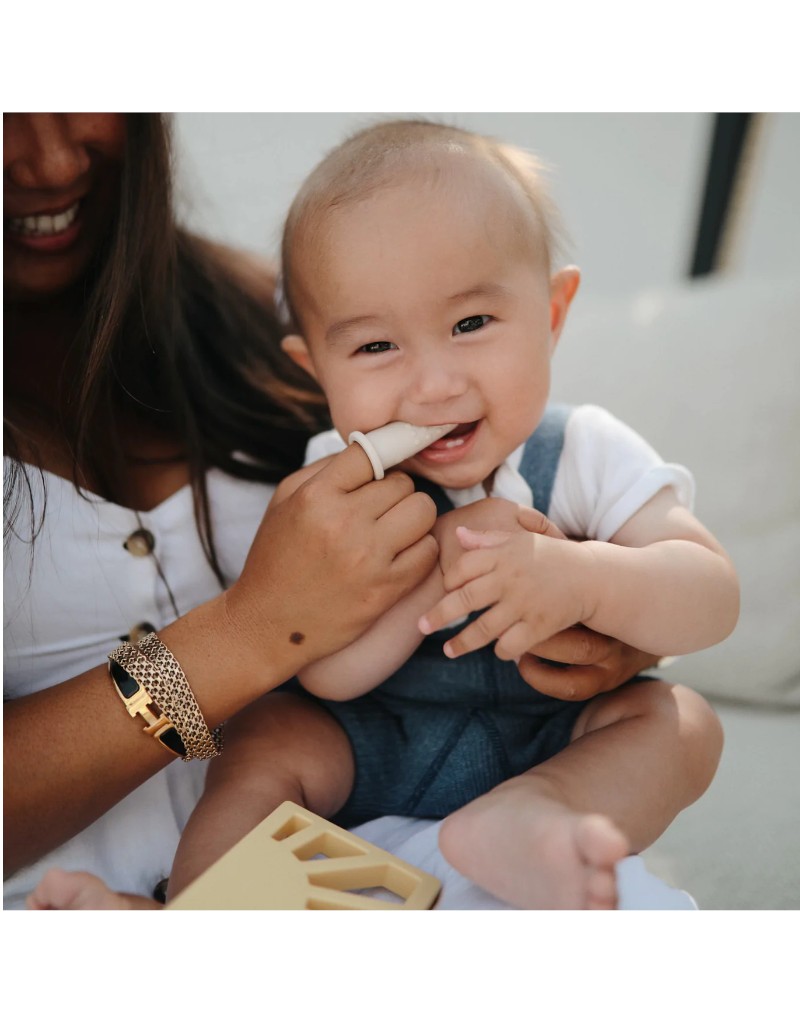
(477, 539)
(479, 633)
(474, 595)
(515, 642)
(471, 565)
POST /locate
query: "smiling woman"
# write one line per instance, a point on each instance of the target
(61, 180)
(148, 414)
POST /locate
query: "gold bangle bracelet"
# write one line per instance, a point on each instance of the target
(138, 702)
(174, 698)
(174, 695)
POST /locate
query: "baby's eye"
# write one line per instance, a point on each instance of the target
(471, 323)
(375, 347)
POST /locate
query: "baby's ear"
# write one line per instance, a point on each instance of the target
(296, 348)
(563, 286)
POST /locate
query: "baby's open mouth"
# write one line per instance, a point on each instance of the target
(455, 438)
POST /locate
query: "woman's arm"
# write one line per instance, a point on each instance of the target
(71, 751)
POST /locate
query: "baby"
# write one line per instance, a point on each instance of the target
(418, 280)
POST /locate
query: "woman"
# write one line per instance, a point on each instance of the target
(147, 421)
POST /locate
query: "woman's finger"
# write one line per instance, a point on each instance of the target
(406, 521)
(576, 645)
(348, 470)
(567, 682)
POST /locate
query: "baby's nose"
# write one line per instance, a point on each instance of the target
(436, 383)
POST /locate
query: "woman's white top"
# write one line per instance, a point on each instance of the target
(72, 597)
(78, 591)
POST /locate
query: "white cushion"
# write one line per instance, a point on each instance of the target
(708, 373)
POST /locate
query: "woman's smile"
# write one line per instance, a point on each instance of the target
(45, 232)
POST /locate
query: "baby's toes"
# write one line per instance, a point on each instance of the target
(600, 843)
(601, 889)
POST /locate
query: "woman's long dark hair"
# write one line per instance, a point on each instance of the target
(171, 330)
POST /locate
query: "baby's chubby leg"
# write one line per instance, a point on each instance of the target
(282, 747)
(551, 837)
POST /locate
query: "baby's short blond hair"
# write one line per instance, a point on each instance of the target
(392, 151)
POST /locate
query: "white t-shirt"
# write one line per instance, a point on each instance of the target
(606, 473)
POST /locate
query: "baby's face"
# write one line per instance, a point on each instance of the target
(422, 305)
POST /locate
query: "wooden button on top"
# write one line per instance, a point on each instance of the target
(140, 543)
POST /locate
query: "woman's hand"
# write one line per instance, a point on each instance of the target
(579, 663)
(574, 664)
(329, 559)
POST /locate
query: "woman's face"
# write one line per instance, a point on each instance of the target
(61, 176)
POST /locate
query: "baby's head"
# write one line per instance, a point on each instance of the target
(417, 274)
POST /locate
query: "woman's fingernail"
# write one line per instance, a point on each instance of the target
(447, 649)
(424, 626)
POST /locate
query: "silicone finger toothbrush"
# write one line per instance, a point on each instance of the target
(390, 444)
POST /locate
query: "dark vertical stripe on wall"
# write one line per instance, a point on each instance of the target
(727, 145)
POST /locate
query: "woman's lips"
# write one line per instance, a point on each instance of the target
(45, 232)
(452, 447)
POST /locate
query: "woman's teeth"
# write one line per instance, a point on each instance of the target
(44, 225)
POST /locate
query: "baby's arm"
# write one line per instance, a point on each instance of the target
(379, 652)
(386, 646)
(662, 584)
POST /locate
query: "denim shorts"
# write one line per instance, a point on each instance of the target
(440, 733)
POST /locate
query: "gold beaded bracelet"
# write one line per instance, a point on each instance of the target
(179, 702)
(151, 664)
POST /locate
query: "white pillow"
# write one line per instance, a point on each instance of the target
(708, 372)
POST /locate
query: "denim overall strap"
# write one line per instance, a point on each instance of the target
(542, 453)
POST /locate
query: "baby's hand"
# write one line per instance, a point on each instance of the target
(533, 586)
(486, 522)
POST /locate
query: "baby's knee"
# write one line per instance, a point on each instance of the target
(681, 718)
(702, 731)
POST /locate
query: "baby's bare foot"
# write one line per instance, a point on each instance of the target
(59, 889)
(535, 853)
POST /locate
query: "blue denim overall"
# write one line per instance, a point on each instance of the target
(438, 733)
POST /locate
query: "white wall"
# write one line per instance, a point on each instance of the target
(767, 239)
(629, 185)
